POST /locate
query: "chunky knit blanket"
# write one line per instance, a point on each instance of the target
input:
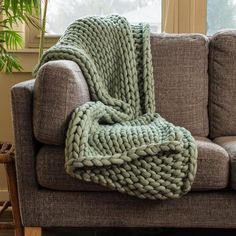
(117, 140)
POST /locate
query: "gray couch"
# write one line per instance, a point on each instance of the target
(195, 84)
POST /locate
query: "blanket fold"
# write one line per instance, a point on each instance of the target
(117, 140)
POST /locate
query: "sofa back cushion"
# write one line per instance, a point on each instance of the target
(222, 93)
(180, 73)
(180, 64)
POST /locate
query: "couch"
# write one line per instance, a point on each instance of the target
(195, 87)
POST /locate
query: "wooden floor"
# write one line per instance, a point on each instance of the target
(125, 232)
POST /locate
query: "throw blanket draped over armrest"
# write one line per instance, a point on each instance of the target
(118, 140)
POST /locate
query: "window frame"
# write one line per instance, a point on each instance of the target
(32, 38)
(178, 16)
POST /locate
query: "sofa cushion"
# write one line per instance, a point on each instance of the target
(180, 73)
(212, 171)
(222, 93)
(59, 88)
(229, 144)
(180, 64)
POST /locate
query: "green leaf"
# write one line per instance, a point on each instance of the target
(15, 11)
(7, 4)
(22, 5)
(33, 20)
(8, 63)
(12, 39)
(19, 7)
(14, 6)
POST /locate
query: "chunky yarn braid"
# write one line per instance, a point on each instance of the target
(117, 140)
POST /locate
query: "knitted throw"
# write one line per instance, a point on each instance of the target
(117, 140)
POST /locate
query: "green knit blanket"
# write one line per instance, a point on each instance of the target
(117, 140)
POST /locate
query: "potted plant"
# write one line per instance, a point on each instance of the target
(14, 12)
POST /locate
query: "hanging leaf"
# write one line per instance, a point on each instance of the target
(7, 4)
(9, 63)
(15, 11)
(12, 39)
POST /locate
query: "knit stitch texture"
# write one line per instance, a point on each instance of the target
(117, 140)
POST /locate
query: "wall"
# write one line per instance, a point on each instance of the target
(28, 60)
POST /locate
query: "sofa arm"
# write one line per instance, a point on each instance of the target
(60, 87)
(25, 144)
(229, 144)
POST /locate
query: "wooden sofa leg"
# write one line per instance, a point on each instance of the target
(33, 231)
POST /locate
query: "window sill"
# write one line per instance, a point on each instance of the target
(25, 50)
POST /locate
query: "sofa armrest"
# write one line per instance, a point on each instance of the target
(25, 144)
(60, 87)
(229, 144)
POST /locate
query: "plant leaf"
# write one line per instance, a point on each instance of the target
(11, 38)
(8, 63)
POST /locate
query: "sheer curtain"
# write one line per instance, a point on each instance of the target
(170, 10)
(184, 16)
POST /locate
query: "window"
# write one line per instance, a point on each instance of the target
(170, 16)
(220, 15)
(61, 14)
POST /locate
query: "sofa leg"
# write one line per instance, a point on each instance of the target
(33, 231)
(19, 231)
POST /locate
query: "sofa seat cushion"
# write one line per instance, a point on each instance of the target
(229, 144)
(212, 171)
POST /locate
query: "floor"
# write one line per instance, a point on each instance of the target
(124, 232)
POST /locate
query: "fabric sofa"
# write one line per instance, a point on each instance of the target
(195, 87)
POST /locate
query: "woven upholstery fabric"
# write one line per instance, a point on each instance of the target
(213, 209)
(212, 171)
(229, 144)
(45, 208)
(180, 64)
(222, 69)
(117, 140)
(60, 87)
(25, 145)
(174, 100)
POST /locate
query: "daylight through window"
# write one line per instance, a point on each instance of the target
(61, 13)
(220, 15)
